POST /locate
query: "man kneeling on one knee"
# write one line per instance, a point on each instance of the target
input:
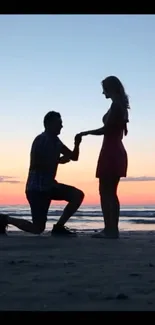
(47, 152)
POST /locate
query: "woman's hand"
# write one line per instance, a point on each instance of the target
(83, 133)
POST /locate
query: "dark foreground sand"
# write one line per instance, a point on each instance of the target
(46, 273)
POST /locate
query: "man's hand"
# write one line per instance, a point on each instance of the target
(64, 160)
(77, 139)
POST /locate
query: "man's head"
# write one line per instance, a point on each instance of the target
(53, 122)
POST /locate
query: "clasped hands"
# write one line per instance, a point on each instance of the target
(78, 137)
(77, 141)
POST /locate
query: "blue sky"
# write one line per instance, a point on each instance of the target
(57, 62)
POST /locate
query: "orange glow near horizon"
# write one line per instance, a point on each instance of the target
(79, 174)
(129, 192)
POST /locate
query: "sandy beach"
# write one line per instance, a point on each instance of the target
(83, 273)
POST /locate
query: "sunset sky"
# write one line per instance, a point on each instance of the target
(57, 62)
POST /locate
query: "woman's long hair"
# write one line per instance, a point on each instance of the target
(112, 85)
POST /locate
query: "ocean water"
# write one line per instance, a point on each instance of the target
(89, 217)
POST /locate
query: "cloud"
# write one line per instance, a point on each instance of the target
(139, 179)
(14, 180)
(9, 179)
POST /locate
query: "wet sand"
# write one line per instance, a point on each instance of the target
(83, 273)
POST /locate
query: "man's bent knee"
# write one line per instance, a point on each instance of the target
(79, 195)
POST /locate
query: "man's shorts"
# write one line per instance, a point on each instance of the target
(40, 200)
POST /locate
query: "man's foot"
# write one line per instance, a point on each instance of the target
(3, 224)
(62, 231)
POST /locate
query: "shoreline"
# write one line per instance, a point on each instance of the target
(86, 232)
(83, 273)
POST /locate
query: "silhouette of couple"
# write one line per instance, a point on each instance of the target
(48, 151)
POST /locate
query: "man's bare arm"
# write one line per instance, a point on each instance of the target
(69, 154)
(63, 160)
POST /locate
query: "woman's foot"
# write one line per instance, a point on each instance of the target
(107, 233)
(100, 234)
(113, 233)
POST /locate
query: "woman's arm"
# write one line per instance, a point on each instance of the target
(99, 131)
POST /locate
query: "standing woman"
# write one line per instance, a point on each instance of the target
(113, 160)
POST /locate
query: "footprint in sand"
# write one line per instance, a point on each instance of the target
(135, 274)
(17, 262)
(151, 265)
(120, 296)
